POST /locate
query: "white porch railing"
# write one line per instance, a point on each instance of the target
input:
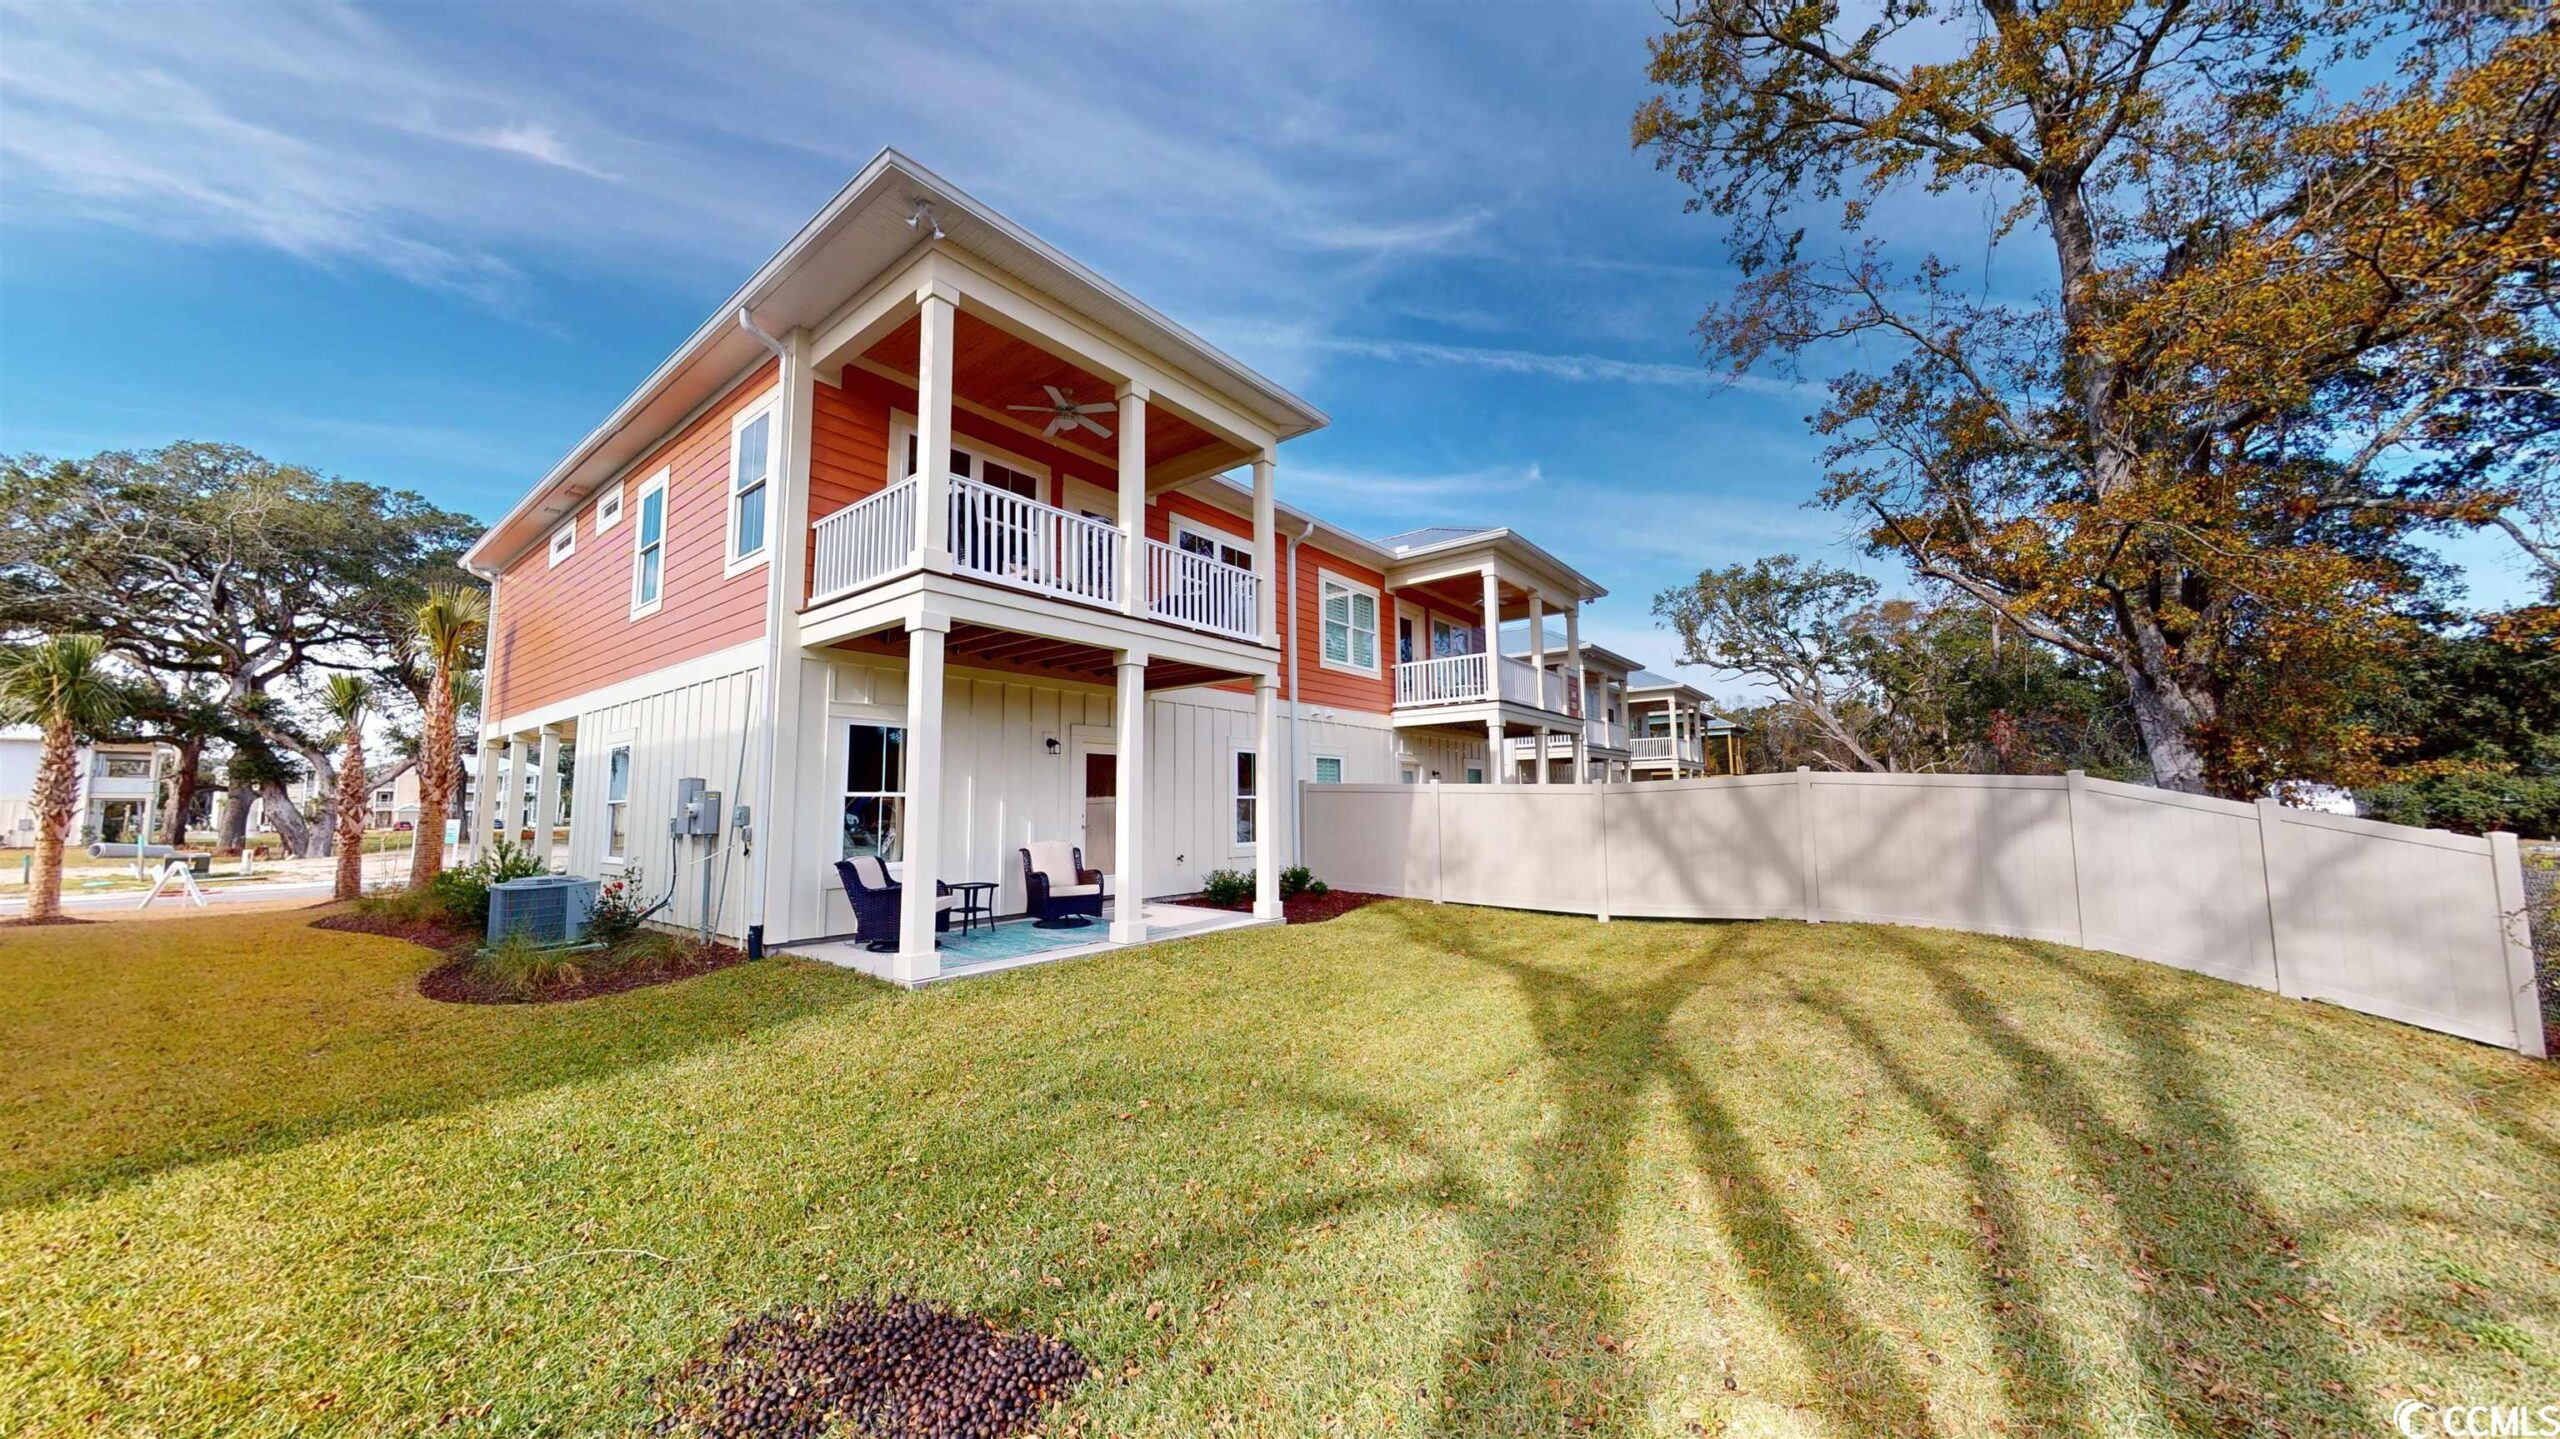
(1000, 536)
(1660, 747)
(1604, 734)
(1525, 683)
(865, 542)
(1448, 679)
(1202, 592)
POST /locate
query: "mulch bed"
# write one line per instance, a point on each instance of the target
(1301, 909)
(460, 983)
(457, 982)
(897, 1368)
(425, 933)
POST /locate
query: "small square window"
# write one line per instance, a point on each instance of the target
(564, 540)
(609, 508)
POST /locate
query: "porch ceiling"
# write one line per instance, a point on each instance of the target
(993, 368)
(1037, 656)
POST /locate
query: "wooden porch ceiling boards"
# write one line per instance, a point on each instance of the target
(1037, 656)
(994, 368)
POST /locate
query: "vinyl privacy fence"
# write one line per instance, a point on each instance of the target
(2416, 925)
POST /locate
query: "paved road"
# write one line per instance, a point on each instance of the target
(104, 906)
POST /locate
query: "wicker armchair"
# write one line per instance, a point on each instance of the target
(1057, 889)
(875, 899)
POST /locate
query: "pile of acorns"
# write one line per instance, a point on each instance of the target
(894, 1368)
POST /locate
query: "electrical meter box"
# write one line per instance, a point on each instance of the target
(697, 808)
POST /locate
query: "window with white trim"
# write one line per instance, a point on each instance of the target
(1328, 769)
(969, 462)
(875, 790)
(649, 547)
(751, 445)
(609, 507)
(617, 802)
(564, 540)
(1350, 616)
(1240, 805)
(1199, 539)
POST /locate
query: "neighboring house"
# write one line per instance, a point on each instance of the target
(1673, 733)
(923, 546)
(115, 782)
(1600, 752)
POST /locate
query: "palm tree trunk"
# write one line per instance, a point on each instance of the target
(352, 800)
(55, 791)
(435, 772)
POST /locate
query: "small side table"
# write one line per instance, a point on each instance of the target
(977, 903)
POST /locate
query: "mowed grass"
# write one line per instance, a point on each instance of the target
(1416, 1171)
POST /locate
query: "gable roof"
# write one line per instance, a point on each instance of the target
(852, 239)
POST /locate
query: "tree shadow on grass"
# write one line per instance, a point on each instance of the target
(2228, 1341)
(258, 1052)
(1530, 1354)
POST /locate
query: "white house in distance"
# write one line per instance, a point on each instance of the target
(115, 783)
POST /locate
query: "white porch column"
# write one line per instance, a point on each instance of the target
(1543, 767)
(546, 795)
(1268, 805)
(1578, 682)
(1492, 634)
(519, 763)
(484, 788)
(1129, 739)
(1497, 760)
(1538, 652)
(916, 961)
(1132, 480)
(1266, 553)
(935, 312)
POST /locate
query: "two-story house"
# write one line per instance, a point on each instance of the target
(932, 543)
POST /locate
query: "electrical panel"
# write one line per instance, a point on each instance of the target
(697, 809)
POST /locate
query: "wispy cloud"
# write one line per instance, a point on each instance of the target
(536, 142)
(1574, 368)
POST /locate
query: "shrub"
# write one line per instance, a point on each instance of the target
(407, 906)
(465, 891)
(518, 965)
(616, 916)
(1318, 887)
(1227, 886)
(1296, 880)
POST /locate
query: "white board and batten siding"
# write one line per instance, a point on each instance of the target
(695, 730)
(2415, 925)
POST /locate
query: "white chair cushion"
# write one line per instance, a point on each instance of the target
(945, 901)
(1062, 891)
(871, 871)
(1055, 859)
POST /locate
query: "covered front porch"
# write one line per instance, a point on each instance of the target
(992, 947)
(956, 726)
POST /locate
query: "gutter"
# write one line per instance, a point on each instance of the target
(777, 609)
(1297, 792)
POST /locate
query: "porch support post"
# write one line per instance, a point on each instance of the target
(1132, 480)
(1129, 849)
(474, 831)
(915, 961)
(1266, 556)
(519, 760)
(936, 311)
(1267, 804)
(1545, 735)
(1497, 762)
(1538, 656)
(546, 795)
(1492, 635)
(1578, 683)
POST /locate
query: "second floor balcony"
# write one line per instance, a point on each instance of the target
(1665, 748)
(1003, 538)
(1475, 679)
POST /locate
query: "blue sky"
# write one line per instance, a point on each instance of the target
(431, 246)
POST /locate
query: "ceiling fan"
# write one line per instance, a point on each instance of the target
(1065, 414)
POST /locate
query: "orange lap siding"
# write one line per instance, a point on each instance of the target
(564, 630)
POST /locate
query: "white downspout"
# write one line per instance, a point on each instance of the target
(1297, 799)
(776, 612)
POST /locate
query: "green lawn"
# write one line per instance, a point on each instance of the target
(1416, 1171)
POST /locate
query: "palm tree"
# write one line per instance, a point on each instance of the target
(59, 686)
(350, 699)
(446, 624)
